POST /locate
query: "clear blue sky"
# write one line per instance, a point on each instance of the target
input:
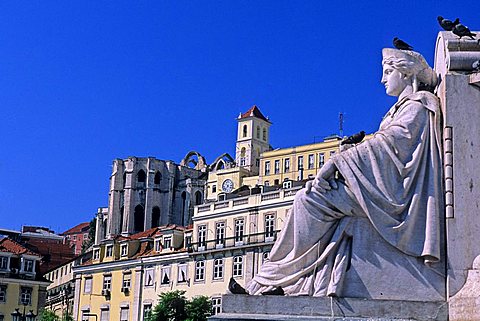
(83, 83)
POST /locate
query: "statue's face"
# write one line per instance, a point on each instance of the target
(395, 82)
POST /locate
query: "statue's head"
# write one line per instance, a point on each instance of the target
(405, 69)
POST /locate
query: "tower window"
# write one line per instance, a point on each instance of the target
(265, 134)
(157, 178)
(141, 176)
(244, 130)
(258, 132)
(138, 219)
(156, 216)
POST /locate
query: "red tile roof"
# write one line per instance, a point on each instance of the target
(255, 112)
(11, 246)
(80, 228)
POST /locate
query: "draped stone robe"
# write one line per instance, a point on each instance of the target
(393, 180)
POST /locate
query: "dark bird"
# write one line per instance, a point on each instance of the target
(354, 139)
(463, 31)
(476, 65)
(276, 291)
(400, 44)
(447, 24)
(235, 288)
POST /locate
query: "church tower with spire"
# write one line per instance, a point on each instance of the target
(253, 138)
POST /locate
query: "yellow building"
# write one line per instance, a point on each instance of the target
(22, 288)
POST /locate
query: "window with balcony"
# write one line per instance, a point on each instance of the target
(300, 162)
(239, 231)
(200, 271)
(107, 283)
(286, 165)
(267, 167)
(25, 295)
(218, 269)
(269, 227)
(276, 166)
(127, 281)
(219, 234)
(202, 236)
(311, 161)
(238, 266)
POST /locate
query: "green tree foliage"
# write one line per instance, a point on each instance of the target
(48, 315)
(174, 306)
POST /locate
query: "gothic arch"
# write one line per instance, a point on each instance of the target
(194, 160)
(138, 219)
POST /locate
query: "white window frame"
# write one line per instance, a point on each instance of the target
(269, 227)
(107, 282)
(149, 272)
(237, 266)
(218, 268)
(127, 280)
(105, 317)
(286, 165)
(216, 305)
(276, 166)
(158, 245)
(147, 310)
(124, 250)
(165, 271)
(109, 250)
(300, 163)
(202, 236)
(321, 159)
(3, 293)
(182, 278)
(25, 295)
(96, 254)
(4, 262)
(87, 285)
(122, 315)
(167, 242)
(311, 161)
(220, 229)
(267, 168)
(239, 231)
(200, 271)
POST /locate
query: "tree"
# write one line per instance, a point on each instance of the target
(173, 306)
(199, 308)
(48, 315)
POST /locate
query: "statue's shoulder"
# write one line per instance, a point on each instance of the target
(427, 99)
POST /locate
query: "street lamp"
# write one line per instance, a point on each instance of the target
(30, 316)
(16, 316)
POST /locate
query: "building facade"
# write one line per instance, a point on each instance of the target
(76, 236)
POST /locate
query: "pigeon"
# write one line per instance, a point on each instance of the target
(276, 291)
(235, 288)
(476, 65)
(463, 31)
(400, 44)
(447, 24)
(354, 139)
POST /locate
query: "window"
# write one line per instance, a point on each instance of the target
(158, 178)
(300, 162)
(287, 184)
(127, 280)
(3, 293)
(214, 188)
(311, 161)
(87, 285)
(109, 251)
(216, 305)
(267, 168)
(165, 275)
(242, 156)
(239, 230)
(202, 235)
(276, 182)
(332, 152)
(244, 130)
(182, 273)
(276, 166)
(258, 132)
(265, 134)
(167, 242)
(321, 159)
(158, 246)
(217, 269)
(74, 237)
(238, 266)
(220, 234)
(269, 227)
(104, 314)
(141, 176)
(25, 295)
(107, 282)
(147, 311)
(124, 314)
(266, 183)
(124, 249)
(84, 316)
(200, 271)
(286, 165)
(149, 277)
(96, 254)
(3, 263)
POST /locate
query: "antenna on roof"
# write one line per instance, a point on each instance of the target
(340, 123)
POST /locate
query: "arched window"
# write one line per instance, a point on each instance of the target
(141, 176)
(258, 132)
(156, 217)
(220, 165)
(244, 130)
(184, 201)
(243, 152)
(138, 219)
(122, 213)
(264, 134)
(157, 178)
(198, 198)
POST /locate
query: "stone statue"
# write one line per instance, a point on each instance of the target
(393, 179)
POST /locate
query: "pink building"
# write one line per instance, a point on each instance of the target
(76, 236)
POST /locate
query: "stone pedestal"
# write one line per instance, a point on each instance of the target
(244, 307)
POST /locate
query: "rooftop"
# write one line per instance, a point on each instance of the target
(254, 111)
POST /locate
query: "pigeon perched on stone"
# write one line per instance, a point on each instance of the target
(447, 24)
(400, 44)
(235, 288)
(354, 139)
(463, 31)
(476, 65)
(276, 291)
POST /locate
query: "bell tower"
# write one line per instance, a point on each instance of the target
(253, 138)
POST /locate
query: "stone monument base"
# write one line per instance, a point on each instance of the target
(246, 307)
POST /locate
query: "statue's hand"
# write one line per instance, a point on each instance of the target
(325, 179)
